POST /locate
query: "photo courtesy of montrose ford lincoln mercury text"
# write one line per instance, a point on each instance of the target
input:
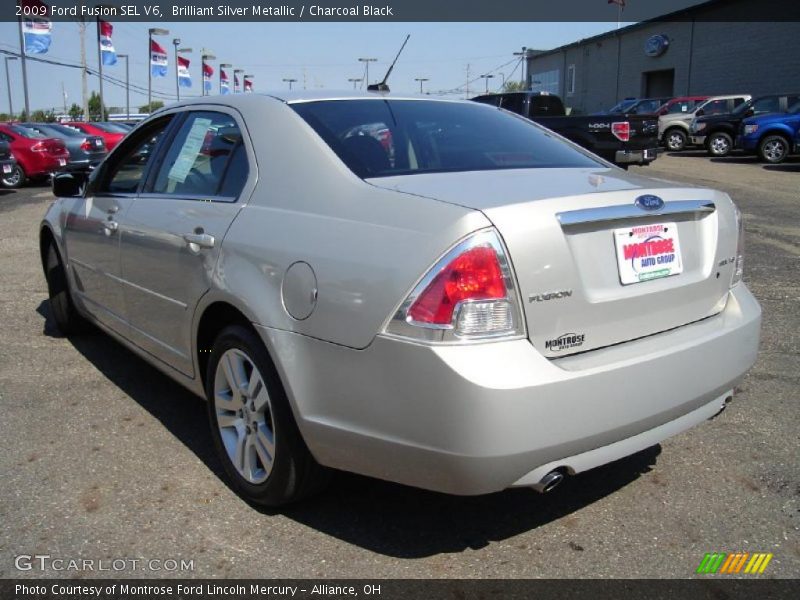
(433, 292)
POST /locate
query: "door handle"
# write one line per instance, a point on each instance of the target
(112, 209)
(203, 240)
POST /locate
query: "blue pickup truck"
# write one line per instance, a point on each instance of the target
(772, 136)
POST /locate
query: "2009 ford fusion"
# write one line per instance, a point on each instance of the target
(433, 292)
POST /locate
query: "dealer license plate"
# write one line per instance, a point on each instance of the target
(6, 168)
(62, 162)
(646, 252)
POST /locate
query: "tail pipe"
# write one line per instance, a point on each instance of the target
(549, 482)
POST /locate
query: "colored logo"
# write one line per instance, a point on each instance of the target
(656, 45)
(731, 564)
(649, 202)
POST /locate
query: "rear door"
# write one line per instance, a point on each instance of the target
(93, 223)
(175, 228)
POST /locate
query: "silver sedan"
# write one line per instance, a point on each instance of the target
(433, 292)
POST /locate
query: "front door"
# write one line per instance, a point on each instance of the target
(174, 231)
(94, 224)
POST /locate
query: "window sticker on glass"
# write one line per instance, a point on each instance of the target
(191, 148)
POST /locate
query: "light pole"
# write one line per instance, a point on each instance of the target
(366, 62)
(486, 79)
(127, 87)
(355, 80)
(150, 33)
(22, 54)
(206, 55)
(524, 54)
(290, 81)
(503, 75)
(236, 79)
(221, 67)
(421, 81)
(8, 83)
(178, 51)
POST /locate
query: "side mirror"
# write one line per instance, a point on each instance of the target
(750, 112)
(700, 112)
(68, 185)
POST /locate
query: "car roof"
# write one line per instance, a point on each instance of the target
(293, 97)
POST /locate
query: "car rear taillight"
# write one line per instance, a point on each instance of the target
(87, 146)
(738, 269)
(468, 294)
(39, 147)
(621, 130)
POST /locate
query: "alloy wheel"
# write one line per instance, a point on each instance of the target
(774, 150)
(244, 416)
(720, 145)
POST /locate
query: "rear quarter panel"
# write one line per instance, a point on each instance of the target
(367, 246)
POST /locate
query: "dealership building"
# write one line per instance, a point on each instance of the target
(704, 50)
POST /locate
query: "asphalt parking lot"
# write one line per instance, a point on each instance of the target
(103, 457)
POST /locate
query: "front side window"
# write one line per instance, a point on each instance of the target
(128, 164)
(766, 105)
(380, 138)
(200, 155)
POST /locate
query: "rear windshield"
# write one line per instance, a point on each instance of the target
(26, 133)
(69, 131)
(382, 138)
(111, 128)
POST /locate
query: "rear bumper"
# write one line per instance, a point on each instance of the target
(698, 140)
(84, 165)
(636, 157)
(481, 418)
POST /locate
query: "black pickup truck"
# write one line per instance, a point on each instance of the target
(621, 139)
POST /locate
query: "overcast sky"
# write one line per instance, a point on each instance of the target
(323, 55)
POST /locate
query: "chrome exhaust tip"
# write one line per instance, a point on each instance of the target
(549, 482)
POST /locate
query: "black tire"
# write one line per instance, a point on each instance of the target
(719, 144)
(774, 149)
(675, 139)
(294, 473)
(15, 179)
(66, 316)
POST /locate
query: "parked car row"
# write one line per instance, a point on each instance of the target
(40, 150)
(766, 126)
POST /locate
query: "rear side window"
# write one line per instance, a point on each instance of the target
(514, 102)
(203, 151)
(546, 106)
(715, 107)
(380, 138)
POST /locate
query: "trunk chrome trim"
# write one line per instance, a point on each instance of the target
(630, 211)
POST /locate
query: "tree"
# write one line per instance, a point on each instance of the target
(5, 117)
(154, 105)
(75, 112)
(94, 107)
(514, 86)
(43, 116)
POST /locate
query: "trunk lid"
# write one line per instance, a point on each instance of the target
(575, 235)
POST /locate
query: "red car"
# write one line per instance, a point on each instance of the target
(37, 155)
(110, 132)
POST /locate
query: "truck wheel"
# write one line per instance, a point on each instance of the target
(773, 149)
(719, 144)
(675, 140)
(14, 179)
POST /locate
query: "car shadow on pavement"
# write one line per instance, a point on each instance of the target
(386, 518)
(787, 167)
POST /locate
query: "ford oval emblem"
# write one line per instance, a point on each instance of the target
(649, 202)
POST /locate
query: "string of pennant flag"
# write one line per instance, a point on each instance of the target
(38, 31)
